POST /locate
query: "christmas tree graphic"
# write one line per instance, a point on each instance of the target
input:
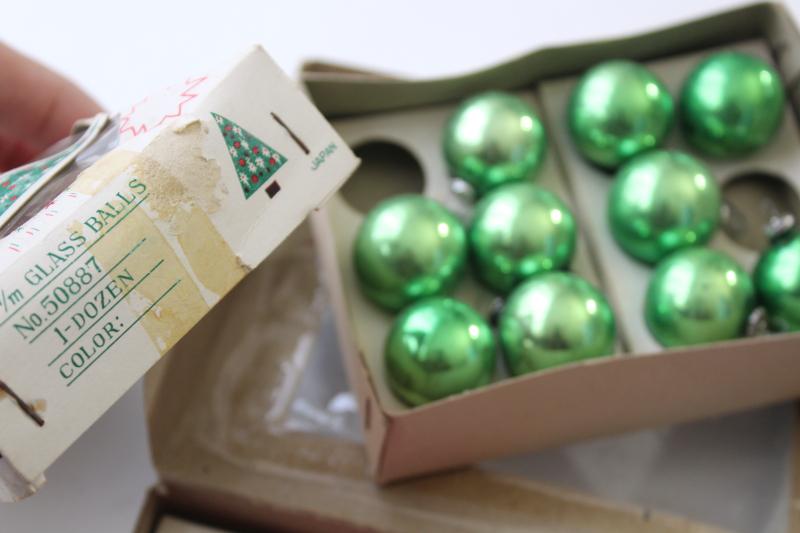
(254, 160)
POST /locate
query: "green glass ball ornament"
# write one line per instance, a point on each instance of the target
(777, 282)
(438, 347)
(662, 201)
(518, 230)
(408, 247)
(617, 110)
(698, 295)
(552, 319)
(731, 104)
(494, 138)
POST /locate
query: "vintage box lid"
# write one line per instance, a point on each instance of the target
(206, 179)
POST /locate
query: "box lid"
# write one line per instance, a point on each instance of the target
(206, 178)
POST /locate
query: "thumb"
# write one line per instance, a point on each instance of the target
(37, 106)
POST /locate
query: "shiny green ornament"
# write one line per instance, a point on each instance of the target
(777, 281)
(553, 319)
(662, 201)
(518, 230)
(731, 104)
(494, 138)
(407, 248)
(438, 347)
(698, 295)
(618, 109)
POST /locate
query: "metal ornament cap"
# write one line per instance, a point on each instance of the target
(438, 347)
(518, 230)
(552, 319)
(662, 201)
(732, 104)
(494, 138)
(617, 110)
(407, 248)
(698, 295)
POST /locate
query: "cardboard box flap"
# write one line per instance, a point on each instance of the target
(331, 91)
(209, 176)
(323, 69)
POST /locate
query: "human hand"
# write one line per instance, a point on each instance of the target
(37, 108)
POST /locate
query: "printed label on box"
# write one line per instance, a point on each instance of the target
(114, 271)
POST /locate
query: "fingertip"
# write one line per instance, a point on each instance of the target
(38, 106)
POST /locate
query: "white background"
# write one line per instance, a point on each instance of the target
(120, 51)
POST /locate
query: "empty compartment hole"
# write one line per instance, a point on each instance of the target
(386, 169)
(751, 200)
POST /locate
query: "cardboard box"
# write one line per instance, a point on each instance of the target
(395, 126)
(204, 180)
(225, 414)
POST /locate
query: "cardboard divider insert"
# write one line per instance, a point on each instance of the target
(590, 398)
(626, 278)
(221, 408)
